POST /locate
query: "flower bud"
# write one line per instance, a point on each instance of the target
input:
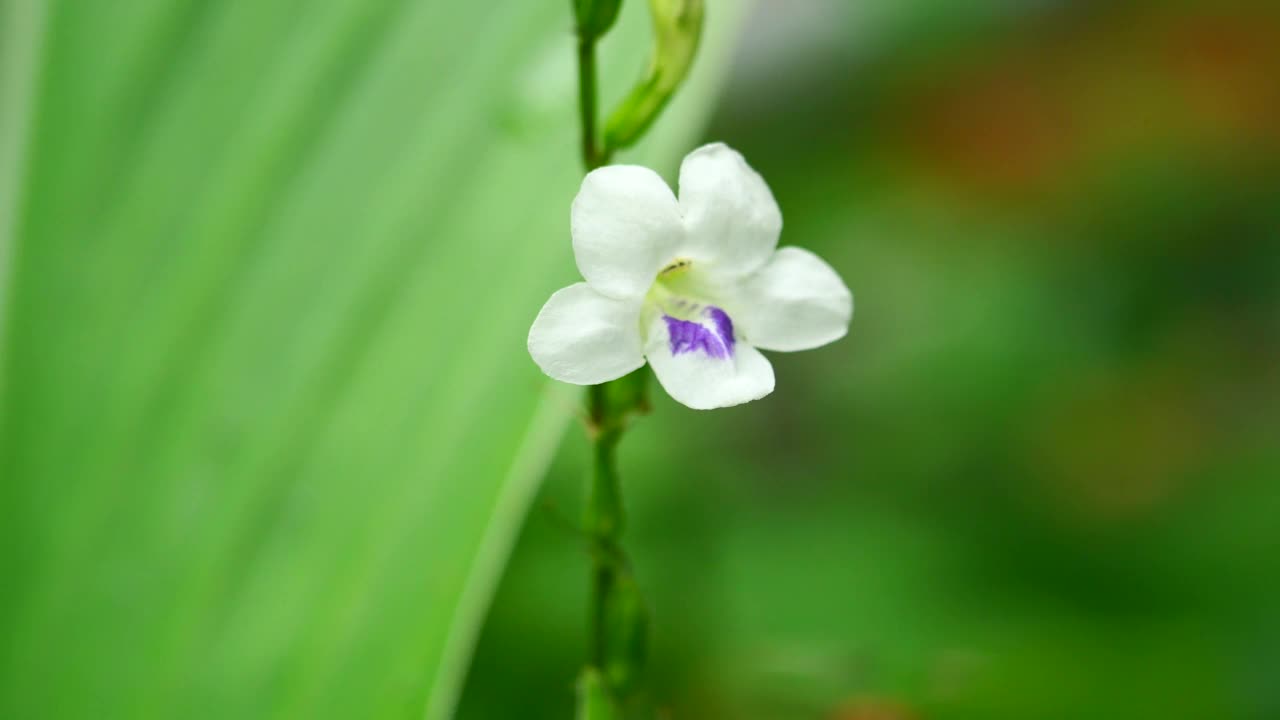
(595, 17)
(677, 26)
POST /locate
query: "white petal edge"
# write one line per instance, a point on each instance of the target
(706, 383)
(625, 224)
(795, 302)
(731, 219)
(585, 338)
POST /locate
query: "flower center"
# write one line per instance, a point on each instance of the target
(694, 323)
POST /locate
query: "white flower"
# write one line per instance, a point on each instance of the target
(697, 285)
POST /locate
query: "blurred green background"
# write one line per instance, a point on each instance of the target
(1041, 477)
(269, 429)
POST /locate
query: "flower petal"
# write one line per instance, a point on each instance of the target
(795, 302)
(625, 224)
(730, 216)
(585, 338)
(700, 365)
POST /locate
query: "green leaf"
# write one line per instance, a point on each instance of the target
(268, 422)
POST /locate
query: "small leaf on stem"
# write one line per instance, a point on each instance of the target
(626, 633)
(594, 701)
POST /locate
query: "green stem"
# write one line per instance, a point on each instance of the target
(587, 101)
(604, 525)
(603, 517)
(593, 155)
(603, 509)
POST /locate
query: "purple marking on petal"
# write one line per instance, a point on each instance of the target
(689, 336)
(724, 326)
